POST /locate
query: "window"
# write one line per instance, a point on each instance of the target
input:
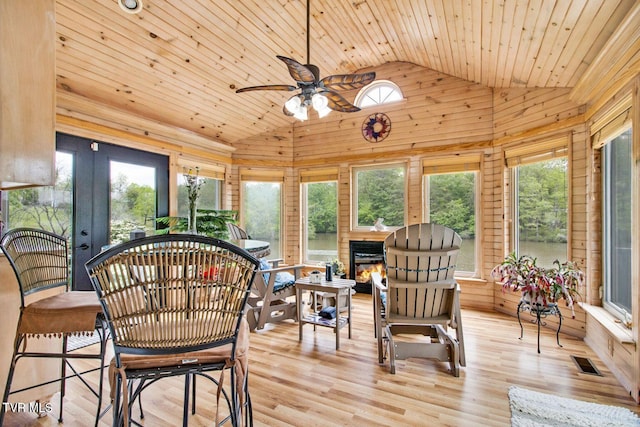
(320, 221)
(540, 210)
(261, 207)
(451, 188)
(451, 201)
(379, 193)
(209, 197)
(617, 202)
(48, 208)
(540, 199)
(378, 92)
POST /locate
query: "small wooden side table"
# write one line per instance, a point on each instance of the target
(339, 287)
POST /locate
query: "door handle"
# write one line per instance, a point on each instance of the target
(83, 247)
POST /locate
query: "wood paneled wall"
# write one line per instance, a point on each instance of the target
(440, 115)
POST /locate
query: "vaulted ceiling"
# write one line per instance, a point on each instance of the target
(180, 62)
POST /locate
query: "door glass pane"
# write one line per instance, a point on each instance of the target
(261, 213)
(321, 221)
(47, 208)
(618, 183)
(133, 200)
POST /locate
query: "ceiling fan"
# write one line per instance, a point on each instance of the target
(322, 94)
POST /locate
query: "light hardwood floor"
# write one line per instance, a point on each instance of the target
(309, 383)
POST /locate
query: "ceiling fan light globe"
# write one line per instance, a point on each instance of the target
(301, 114)
(293, 104)
(323, 111)
(319, 102)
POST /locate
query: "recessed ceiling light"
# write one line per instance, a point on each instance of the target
(130, 6)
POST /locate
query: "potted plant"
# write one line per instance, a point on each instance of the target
(540, 287)
(337, 267)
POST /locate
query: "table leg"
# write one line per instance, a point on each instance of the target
(299, 314)
(337, 329)
(349, 309)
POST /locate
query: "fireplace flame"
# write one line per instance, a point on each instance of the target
(364, 274)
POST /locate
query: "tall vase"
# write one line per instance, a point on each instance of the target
(191, 226)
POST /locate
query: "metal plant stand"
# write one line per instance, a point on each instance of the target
(540, 312)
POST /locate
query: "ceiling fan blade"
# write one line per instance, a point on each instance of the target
(299, 72)
(267, 87)
(338, 103)
(347, 81)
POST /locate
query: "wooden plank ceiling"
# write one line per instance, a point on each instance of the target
(180, 62)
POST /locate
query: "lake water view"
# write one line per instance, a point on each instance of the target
(323, 249)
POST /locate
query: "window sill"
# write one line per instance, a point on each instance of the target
(470, 281)
(610, 323)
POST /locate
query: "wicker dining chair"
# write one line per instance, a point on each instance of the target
(174, 305)
(41, 264)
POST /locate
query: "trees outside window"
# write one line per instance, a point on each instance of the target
(451, 201)
(208, 198)
(320, 213)
(261, 212)
(379, 193)
(540, 210)
(47, 208)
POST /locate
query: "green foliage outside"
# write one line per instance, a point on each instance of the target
(46, 208)
(452, 202)
(543, 201)
(381, 195)
(322, 204)
(261, 209)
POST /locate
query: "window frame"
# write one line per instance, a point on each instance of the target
(477, 213)
(520, 154)
(304, 220)
(264, 176)
(603, 142)
(515, 208)
(376, 85)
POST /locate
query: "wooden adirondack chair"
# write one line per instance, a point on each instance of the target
(420, 296)
(273, 294)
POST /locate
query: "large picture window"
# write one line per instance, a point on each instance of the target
(320, 221)
(540, 210)
(261, 208)
(451, 201)
(540, 199)
(616, 225)
(379, 195)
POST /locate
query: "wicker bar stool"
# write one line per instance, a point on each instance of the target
(174, 304)
(40, 261)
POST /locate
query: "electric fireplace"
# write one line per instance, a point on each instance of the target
(365, 257)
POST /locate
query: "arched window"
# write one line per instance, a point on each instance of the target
(378, 92)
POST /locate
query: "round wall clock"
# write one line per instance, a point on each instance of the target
(376, 127)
